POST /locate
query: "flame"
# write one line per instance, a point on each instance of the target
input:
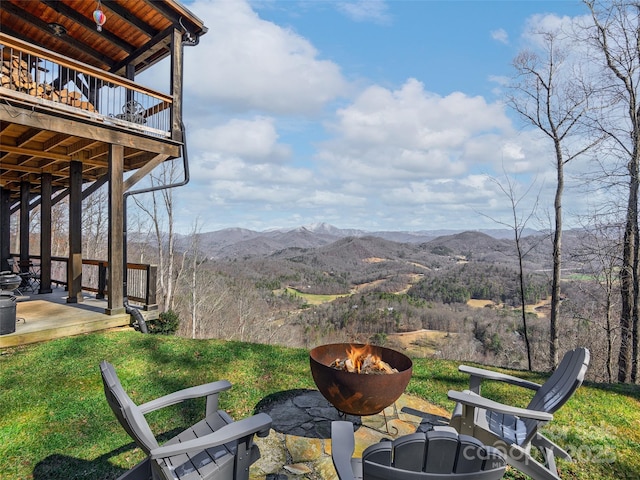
(357, 356)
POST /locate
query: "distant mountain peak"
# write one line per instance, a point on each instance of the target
(321, 227)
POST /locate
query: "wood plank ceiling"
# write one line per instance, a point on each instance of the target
(137, 33)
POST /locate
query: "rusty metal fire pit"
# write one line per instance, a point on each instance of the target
(356, 393)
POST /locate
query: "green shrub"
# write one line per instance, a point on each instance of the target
(166, 324)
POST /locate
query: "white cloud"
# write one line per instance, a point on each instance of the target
(390, 158)
(500, 35)
(365, 10)
(409, 132)
(547, 23)
(253, 140)
(244, 62)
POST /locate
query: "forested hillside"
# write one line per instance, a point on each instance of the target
(370, 289)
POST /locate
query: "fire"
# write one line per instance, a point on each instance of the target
(358, 355)
(362, 360)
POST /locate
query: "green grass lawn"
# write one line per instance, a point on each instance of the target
(56, 424)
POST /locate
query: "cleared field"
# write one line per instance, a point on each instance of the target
(475, 303)
(313, 299)
(540, 309)
(420, 343)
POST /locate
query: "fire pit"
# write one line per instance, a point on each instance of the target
(359, 393)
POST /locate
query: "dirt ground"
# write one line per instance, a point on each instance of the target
(541, 309)
(419, 343)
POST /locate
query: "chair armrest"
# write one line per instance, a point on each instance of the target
(342, 448)
(471, 399)
(478, 374)
(256, 425)
(188, 393)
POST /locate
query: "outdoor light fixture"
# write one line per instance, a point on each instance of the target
(99, 17)
(57, 29)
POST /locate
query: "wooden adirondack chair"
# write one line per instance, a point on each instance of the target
(216, 448)
(515, 430)
(440, 454)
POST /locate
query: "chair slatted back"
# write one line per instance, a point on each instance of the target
(560, 386)
(13, 265)
(125, 410)
(435, 455)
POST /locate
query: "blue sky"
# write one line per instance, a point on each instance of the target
(369, 114)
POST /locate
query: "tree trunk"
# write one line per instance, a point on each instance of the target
(609, 339)
(557, 260)
(627, 274)
(634, 325)
(523, 303)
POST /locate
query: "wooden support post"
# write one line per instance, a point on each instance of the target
(151, 302)
(74, 266)
(115, 277)
(5, 229)
(25, 194)
(177, 51)
(45, 232)
(102, 280)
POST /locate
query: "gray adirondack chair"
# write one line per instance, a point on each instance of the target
(440, 454)
(514, 431)
(216, 448)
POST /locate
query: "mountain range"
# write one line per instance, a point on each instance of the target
(240, 242)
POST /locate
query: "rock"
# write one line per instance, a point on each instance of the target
(298, 469)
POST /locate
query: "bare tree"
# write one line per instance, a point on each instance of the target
(196, 288)
(544, 93)
(95, 225)
(616, 37)
(161, 212)
(517, 225)
(600, 251)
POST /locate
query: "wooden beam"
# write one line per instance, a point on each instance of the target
(19, 168)
(5, 228)
(54, 141)
(43, 26)
(117, 272)
(46, 193)
(34, 153)
(142, 172)
(150, 47)
(27, 136)
(90, 25)
(82, 144)
(25, 191)
(61, 124)
(95, 186)
(128, 17)
(177, 53)
(74, 266)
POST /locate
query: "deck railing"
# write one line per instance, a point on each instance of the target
(35, 75)
(141, 279)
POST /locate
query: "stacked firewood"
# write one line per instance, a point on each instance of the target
(15, 75)
(72, 98)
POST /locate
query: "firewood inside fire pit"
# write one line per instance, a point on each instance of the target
(362, 360)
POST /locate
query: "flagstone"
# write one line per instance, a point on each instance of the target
(299, 443)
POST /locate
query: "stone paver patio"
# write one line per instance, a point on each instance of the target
(299, 444)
